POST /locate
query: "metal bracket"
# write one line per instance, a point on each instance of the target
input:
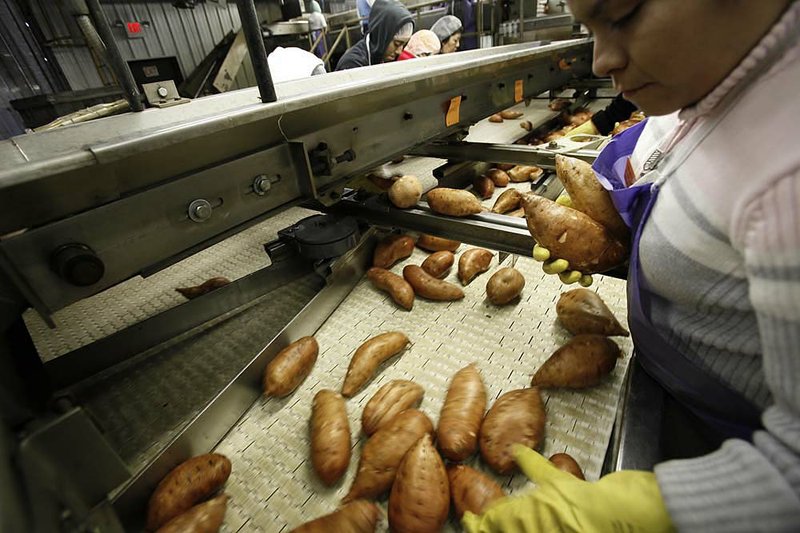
(163, 94)
(497, 153)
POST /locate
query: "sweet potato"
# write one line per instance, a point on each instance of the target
(462, 414)
(420, 497)
(473, 262)
(390, 400)
(290, 367)
(582, 362)
(526, 125)
(205, 517)
(588, 195)
(453, 202)
(565, 462)
(505, 167)
(583, 311)
(204, 288)
(383, 452)
(187, 484)
(392, 249)
(510, 115)
(397, 287)
(517, 417)
(498, 177)
(380, 182)
(496, 118)
(405, 192)
(572, 235)
(483, 187)
(507, 201)
(437, 244)
(369, 356)
(330, 436)
(519, 213)
(522, 173)
(505, 285)
(429, 287)
(559, 104)
(471, 490)
(578, 117)
(438, 263)
(359, 516)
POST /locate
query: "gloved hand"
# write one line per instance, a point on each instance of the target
(627, 501)
(587, 128)
(560, 267)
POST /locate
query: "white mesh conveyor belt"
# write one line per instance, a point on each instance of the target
(273, 487)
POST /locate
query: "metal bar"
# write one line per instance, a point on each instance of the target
(258, 53)
(210, 425)
(333, 47)
(549, 21)
(82, 363)
(497, 153)
(500, 232)
(119, 66)
(637, 429)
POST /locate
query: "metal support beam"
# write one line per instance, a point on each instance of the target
(497, 153)
(119, 66)
(258, 53)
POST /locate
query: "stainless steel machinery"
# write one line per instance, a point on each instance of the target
(86, 208)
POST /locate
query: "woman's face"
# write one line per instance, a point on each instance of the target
(664, 55)
(394, 49)
(452, 44)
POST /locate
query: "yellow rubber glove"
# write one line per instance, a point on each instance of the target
(627, 501)
(587, 128)
(560, 267)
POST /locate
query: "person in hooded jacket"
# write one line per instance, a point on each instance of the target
(390, 28)
(317, 24)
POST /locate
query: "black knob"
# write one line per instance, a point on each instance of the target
(77, 264)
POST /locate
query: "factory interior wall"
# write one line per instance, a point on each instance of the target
(188, 34)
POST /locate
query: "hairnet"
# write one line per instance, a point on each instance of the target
(315, 7)
(424, 42)
(445, 27)
(405, 31)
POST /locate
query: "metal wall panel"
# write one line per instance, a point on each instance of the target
(23, 71)
(188, 34)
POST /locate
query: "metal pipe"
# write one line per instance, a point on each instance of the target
(255, 45)
(118, 65)
(327, 58)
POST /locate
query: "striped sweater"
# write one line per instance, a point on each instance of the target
(721, 250)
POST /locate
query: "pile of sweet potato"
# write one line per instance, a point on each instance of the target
(425, 280)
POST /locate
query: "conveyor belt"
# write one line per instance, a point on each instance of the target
(273, 488)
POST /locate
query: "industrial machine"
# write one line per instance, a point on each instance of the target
(89, 209)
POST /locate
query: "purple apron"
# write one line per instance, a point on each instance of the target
(729, 413)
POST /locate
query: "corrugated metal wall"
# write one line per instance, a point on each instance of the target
(188, 34)
(22, 73)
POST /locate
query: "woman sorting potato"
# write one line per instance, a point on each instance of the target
(390, 28)
(448, 29)
(710, 188)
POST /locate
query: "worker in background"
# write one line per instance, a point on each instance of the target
(603, 122)
(709, 185)
(317, 24)
(422, 44)
(448, 29)
(363, 8)
(390, 27)
(293, 63)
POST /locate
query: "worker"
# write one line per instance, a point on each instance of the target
(390, 27)
(448, 29)
(604, 121)
(363, 8)
(317, 24)
(422, 44)
(293, 63)
(714, 277)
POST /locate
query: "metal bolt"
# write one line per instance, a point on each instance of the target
(162, 92)
(200, 210)
(553, 145)
(261, 185)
